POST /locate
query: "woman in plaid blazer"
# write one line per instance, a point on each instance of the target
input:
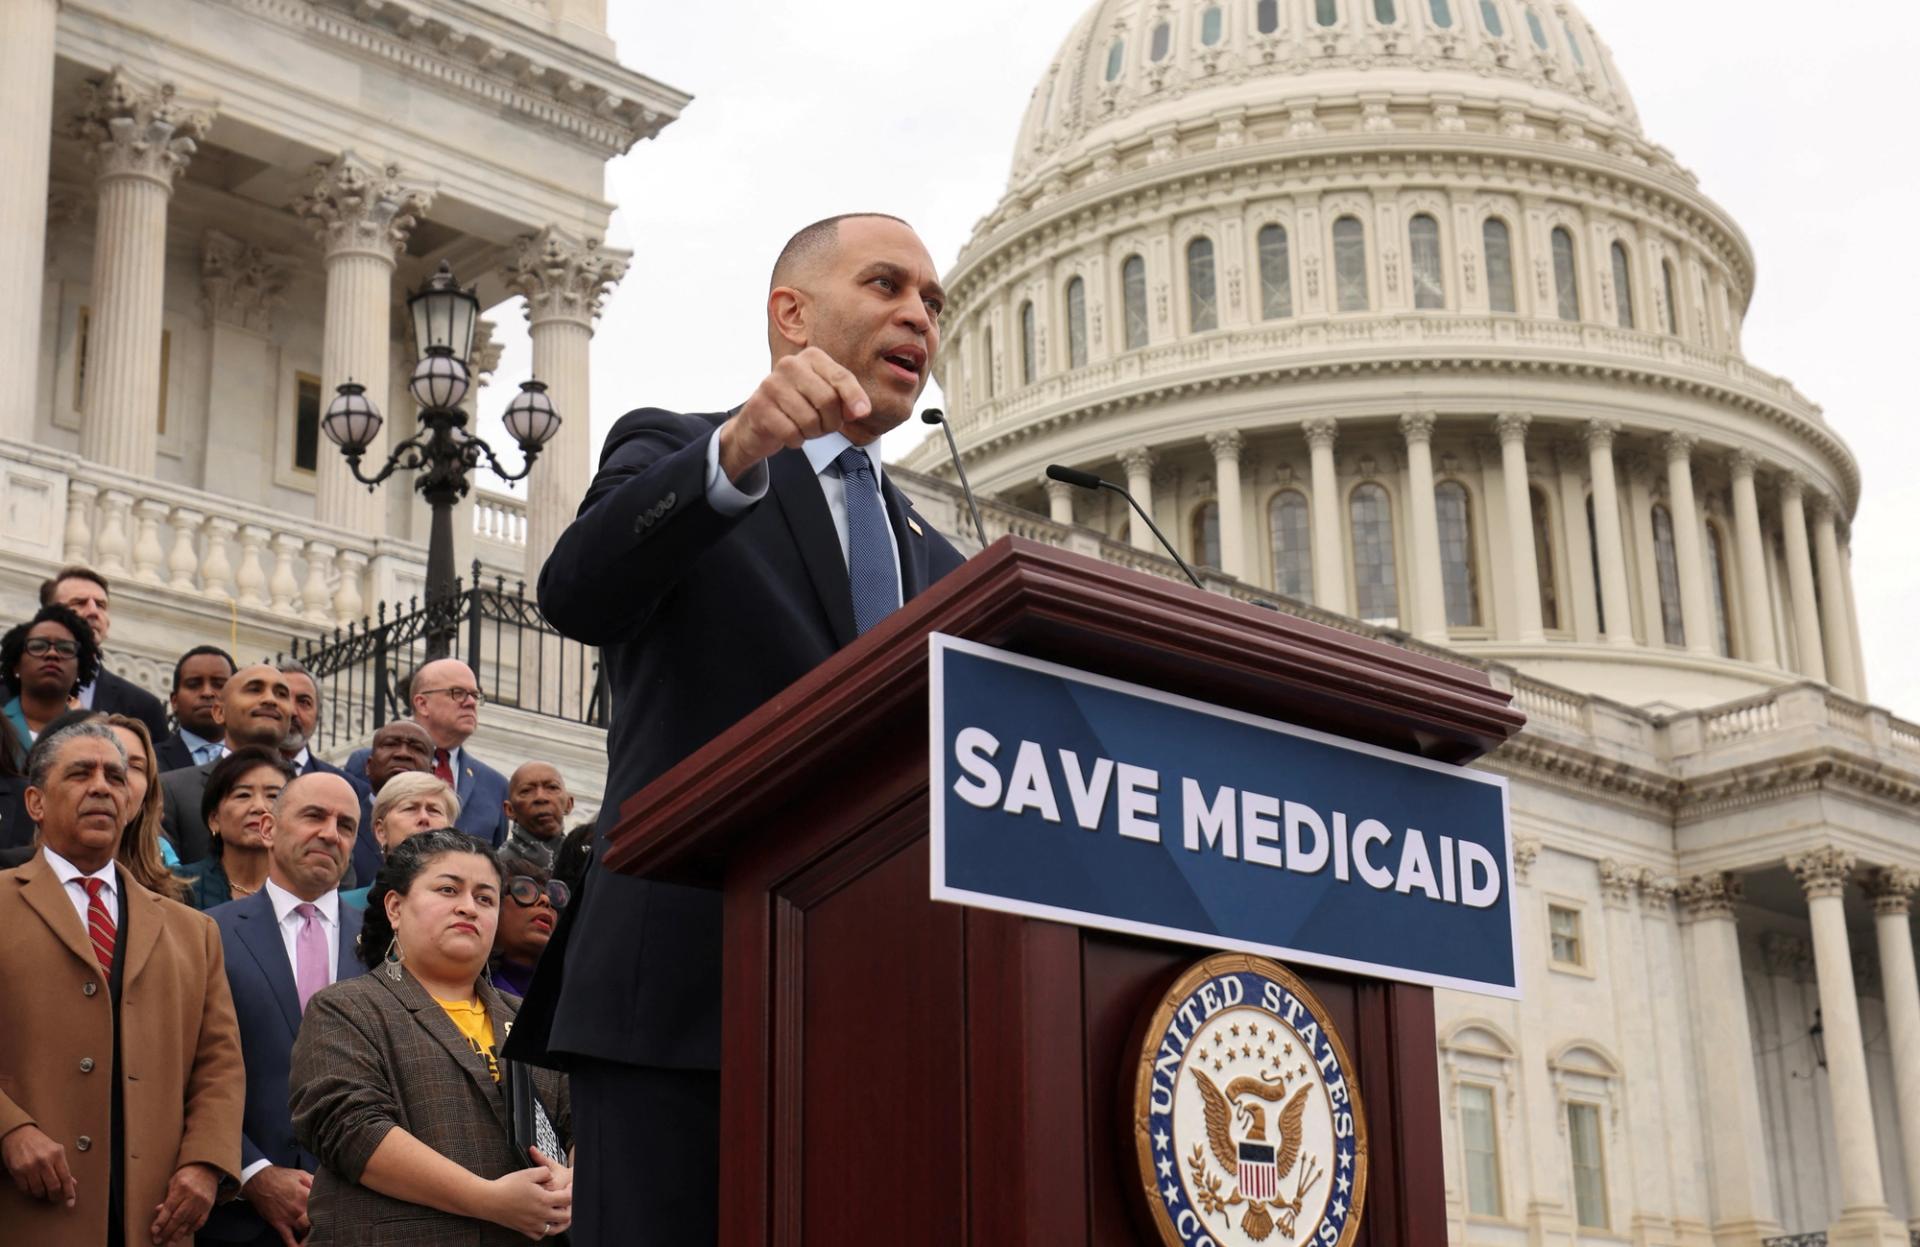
(397, 1085)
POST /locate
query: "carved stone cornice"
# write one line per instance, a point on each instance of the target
(1823, 871)
(563, 276)
(1618, 882)
(1709, 896)
(484, 357)
(1809, 771)
(240, 282)
(1587, 773)
(1526, 850)
(1891, 889)
(1417, 426)
(356, 206)
(1321, 431)
(135, 128)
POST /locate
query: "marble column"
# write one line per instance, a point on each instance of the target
(1329, 549)
(564, 277)
(1749, 548)
(1742, 1183)
(1863, 1199)
(1059, 500)
(26, 147)
(1853, 629)
(1696, 608)
(1139, 465)
(1809, 651)
(1635, 1002)
(1835, 630)
(1429, 589)
(1512, 430)
(138, 136)
(1226, 447)
(1615, 602)
(1892, 891)
(362, 214)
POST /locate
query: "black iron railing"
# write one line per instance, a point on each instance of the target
(362, 671)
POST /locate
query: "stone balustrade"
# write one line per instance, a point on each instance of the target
(500, 518)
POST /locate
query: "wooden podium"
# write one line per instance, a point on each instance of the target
(898, 1070)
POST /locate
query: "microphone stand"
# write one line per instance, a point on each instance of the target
(933, 415)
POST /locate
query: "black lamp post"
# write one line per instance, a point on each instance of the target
(442, 451)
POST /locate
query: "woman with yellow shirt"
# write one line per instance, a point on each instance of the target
(397, 1084)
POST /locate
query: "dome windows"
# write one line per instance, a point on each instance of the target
(1029, 344)
(1133, 299)
(1266, 16)
(1622, 286)
(1077, 323)
(1160, 41)
(1349, 265)
(1116, 59)
(1287, 525)
(1326, 12)
(1673, 298)
(1456, 554)
(1490, 18)
(1573, 44)
(1442, 12)
(1203, 308)
(986, 355)
(1667, 567)
(1497, 240)
(1423, 247)
(1370, 515)
(1535, 29)
(1543, 558)
(1276, 275)
(1566, 281)
(1204, 536)
(1386, 12)
(1210, 25)
(1717, 581)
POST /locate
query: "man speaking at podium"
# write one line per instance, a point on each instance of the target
(715, 560)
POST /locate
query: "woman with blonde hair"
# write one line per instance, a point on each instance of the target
(139, 853)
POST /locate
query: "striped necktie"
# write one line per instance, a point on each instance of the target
(100, 926)
(871, 573)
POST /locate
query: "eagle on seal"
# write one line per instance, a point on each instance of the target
(1253, 1154)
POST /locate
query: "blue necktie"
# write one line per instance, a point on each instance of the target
(871, 574)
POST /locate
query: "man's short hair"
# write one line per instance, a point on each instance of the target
(72, 571)
(812, 241)
(292, 666)
(40, 757)
(410, 784)
(197, 652)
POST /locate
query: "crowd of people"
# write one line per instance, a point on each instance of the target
(314, 1056)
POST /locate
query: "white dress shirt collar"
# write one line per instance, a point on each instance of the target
(822, 451)
(284, 903)
(70, 877)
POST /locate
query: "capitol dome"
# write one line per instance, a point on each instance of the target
(1390, 308)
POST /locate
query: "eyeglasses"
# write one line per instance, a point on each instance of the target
(461, 695)
(525, 890)
(40, 646)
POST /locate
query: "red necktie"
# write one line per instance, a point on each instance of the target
(441, 767)
(99, 923)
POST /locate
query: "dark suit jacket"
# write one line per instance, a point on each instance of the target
(373, 1054)
(16, 829)
(172, 752)
(114, 695)
(268, 1004)
(180, 794)
(700, 617)
(481, 789)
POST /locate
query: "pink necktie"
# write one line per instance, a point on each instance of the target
(309, 954)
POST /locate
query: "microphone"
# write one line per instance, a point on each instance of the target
(933, 415)
(1087, 480)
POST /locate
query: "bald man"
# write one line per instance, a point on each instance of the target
(446, 701)
(716, 559)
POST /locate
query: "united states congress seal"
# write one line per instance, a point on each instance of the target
(1248, 1125)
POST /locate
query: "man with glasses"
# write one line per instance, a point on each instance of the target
(446, 701)
(534, 899)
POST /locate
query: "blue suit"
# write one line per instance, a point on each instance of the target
(482, 792)
(268, 1006)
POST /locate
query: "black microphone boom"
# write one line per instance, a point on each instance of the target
(1087, 480)
(933, 415)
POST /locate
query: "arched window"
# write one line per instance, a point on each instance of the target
(1287, 524)
(1210, 25)
(1593, 549)
(1666, 563)
(1423, 247)
(1133, 294)
(1535, 29)
(986, 353)
(1622, 286)
(1349, 265)
(1029, 344)
(1497, 239)
(1116, 58)
(1490, 18)
(1266, 16)
(1456, 554)
(1205, 535)
(1276, 275)
(1203, 311)
(1566, 287)
(1543, 560)
(1442, 13)
(1076, 323)
(1370, 514)
(1573, 44)
(1385, 12)
(1673, 298)
(1162, 40)
(1326, 12)
(1717, 580)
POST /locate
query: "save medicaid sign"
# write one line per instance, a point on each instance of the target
(1064, 795)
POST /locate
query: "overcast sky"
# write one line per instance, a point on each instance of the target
(1794, 122)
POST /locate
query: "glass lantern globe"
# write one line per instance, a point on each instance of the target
(352, 421)
(530, 418)
(439, 380)
(443, 315)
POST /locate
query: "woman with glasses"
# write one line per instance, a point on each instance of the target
(42, 663)
(534, 899)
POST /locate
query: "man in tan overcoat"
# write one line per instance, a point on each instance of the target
(121, 1085)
